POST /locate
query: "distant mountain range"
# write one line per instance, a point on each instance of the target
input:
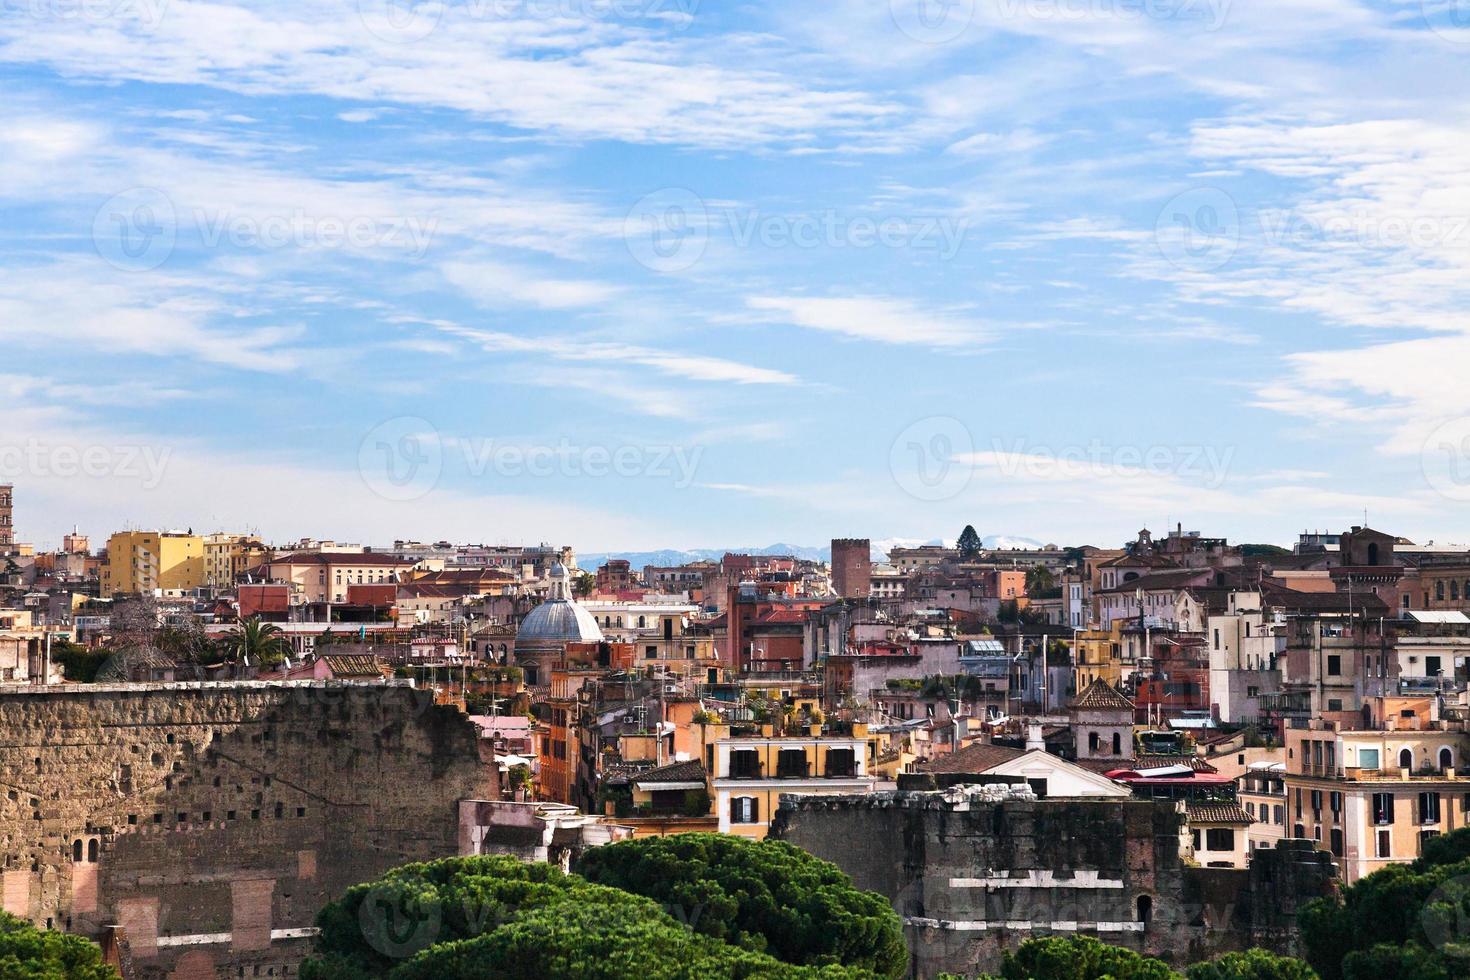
(638, 559)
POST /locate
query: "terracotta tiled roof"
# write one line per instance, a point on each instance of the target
(1217, 813)
(1174, 578)
(1101, 694)
(973, 759)
(353, 665)
(678, 772)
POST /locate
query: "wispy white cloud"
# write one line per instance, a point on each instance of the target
(545, 74)
(496, 284)
(882, 319)
(690, 367)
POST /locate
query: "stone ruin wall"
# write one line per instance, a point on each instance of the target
(977, 872)
(213, 821)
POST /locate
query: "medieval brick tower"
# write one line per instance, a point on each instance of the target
(852, 567)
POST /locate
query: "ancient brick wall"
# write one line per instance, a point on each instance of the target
(212, 821)
(974, 878)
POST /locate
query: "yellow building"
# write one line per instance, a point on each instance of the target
(148, 561)
(749, 774)
(1099, 656)
(227, 556)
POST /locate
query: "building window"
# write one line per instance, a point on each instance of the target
(745, 809)
(1368, 758)
(1406, 759)
(1383, 808)
(841, 763)
(1220, 839)
(1334, 665)
(1429, 808)
(745, 764)
(1446, 759)
(791, 763)
(1336, 842)
(1385, 844)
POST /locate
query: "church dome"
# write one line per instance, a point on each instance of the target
(557, 621)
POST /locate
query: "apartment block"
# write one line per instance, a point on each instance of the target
(750, 773)
(153, 561)
(1372, 796)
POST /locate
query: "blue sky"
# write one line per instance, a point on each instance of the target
(667, 273)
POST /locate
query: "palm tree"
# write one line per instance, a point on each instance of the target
(1039, 580)
(584, 585)
(262, 644)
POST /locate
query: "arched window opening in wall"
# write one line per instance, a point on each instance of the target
(1145, 909)
(92, 850)
(1406, 759)
(76, 851)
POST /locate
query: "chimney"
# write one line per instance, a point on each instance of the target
(1034, 741)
